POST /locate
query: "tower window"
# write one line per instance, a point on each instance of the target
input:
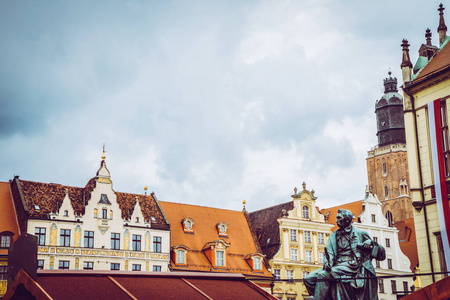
(384, 168)
(386, 192)
(388, 216)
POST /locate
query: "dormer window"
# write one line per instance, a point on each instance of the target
(305, 212)
(220, 258)
(257, 263)
(181, 257)
(179, 254)
(222, 229)
(217, 253)
(6, 239)
(66, 213)
(188, 225)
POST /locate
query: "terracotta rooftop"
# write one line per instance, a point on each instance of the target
(242, 241)
(8, 214)
(437, 64)
(264, 223)
(53, 284)
(354, 207)
(38, 199)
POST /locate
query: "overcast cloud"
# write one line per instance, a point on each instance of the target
(204, 102)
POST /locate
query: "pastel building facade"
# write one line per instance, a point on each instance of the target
(93, 228)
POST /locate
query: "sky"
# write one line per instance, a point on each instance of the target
(205, 102)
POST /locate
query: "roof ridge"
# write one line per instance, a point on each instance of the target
(273, 206)
(178, 203)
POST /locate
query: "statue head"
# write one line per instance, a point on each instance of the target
(344, 218)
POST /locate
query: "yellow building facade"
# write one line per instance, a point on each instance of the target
(293, 236)
(428, 82)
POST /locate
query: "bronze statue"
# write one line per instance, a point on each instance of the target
(347, 264)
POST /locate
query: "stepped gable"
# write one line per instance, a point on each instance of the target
(265, 225)
(149, 205)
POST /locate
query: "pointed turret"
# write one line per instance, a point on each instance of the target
(442, 29)
(406, 62)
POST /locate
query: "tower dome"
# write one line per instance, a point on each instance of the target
(389, 112)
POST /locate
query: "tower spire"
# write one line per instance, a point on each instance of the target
(406, 61)
(442, 29)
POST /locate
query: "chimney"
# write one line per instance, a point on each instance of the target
(442, 29)
(406, 62)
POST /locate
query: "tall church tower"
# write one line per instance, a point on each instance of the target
(387, 165)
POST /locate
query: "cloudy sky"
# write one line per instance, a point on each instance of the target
(204, 102)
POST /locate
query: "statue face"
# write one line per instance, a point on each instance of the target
(343, 220)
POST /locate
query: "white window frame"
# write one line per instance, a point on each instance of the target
(308, 255)
(294, 254)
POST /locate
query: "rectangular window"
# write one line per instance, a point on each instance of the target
(321, 257)
(220, 259)
(135, 267)
(294, 255)
(40, 264)
(156, 268)
(394, 287)
(308, 255)
(4, 274)
(40, 233)
(104, 213)
(307, 236)
(277, 273)
(380, 286)
(64, 265)
(389, 263)
(5, 241)
(290, 275)
(257, 263)
(377, 263)
(65, 237)
(157, 244)
(89, 239)
(181, 257)
(115, 241)
(321, 238)
(445, 138)
(375, 239)
(115, 266)
(136, 242)
(374, 218)
(405, 286)
(388, 243)
(88, 265)
(305, 274)
(293, 235)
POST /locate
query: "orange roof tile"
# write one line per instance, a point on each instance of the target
(239, 237)
(438, 63)
(354, 207)
(8, 214)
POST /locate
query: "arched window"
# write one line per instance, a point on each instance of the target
(257, 263)
(384, 168)
(388, 216)
(306, 212)
(386, 192)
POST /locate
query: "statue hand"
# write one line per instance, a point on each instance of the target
(367, 244)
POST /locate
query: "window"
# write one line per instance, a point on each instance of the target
(389, 263)
(65, 237)
(380, 286)
(40, 233)
(384, 168)
(136, 242)
(104, 213)
(294, 254)
(405, 286)
(374, 219)
(156, 268)
(115, 266)
(394, 287)
(290, 275)
(388, 216)
(377, 263)
(66, 213)
(64, 265)
(375, 239)
(305, 274)
(257, 263)
(307, 236)
(277, 273)
(4, 274)
(388, 243)
(135, 267)
(40, 264)
(88, 265)
(89, 239)
(220, 259)
(293, 235)
(445, 138)
(5, 241)
(157, 244)
(137, 220)
(306, 212)
(308, 255)
(321, 238)
(181, 257)
(321, 257)
(115, 241)
(386, 192)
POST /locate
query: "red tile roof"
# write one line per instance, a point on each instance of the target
(438, 63)
(354, 207)
(8, 214)
(53, 284)
(239, 237)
